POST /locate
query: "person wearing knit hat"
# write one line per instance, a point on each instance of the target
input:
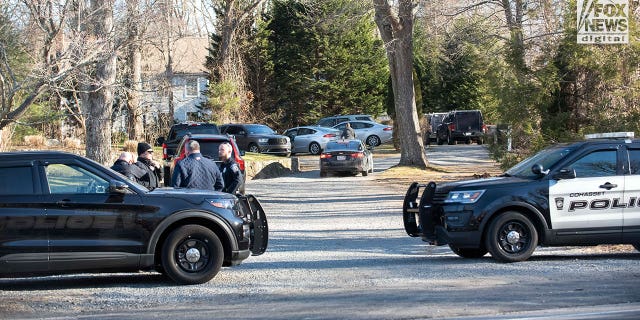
(144, 147)
(151, 171)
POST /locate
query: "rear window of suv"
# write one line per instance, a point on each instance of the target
(194, 129)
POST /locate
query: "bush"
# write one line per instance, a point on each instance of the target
(34, 140)
(130, 146)
(72, 143)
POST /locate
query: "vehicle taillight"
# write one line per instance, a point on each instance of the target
(329, 135)
(240, 162)
(358, 155)
(325, 156)
(164, 152)
(484, 128)
(452, 127)
(387, 129)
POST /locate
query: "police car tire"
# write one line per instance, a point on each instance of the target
(637, 246)
(174, 255)
(469, 253)
(496, 237)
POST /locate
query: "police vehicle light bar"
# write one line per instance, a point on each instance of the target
(610, 135)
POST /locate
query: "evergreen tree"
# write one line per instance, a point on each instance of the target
(326, 60)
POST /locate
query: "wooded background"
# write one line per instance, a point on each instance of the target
(288, 63)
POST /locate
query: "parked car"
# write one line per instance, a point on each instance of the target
(346, 156)
(462, 125)
(63, 213)
(311, 139)
(371, 133)
(178, 131)
(333, 120)
(433, 122)
(258, 138)
(209, 144)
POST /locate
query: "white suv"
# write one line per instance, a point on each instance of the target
(332, 121)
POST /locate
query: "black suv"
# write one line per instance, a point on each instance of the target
(62, 213)
(178, 131)
(258, 138)
(583, 193)
(464, 125)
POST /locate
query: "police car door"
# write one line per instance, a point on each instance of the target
(589, 206)
(631, 225)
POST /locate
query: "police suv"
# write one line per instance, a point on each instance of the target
(583, 193)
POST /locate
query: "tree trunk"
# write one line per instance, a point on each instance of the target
(134, 83)
(98, 94)
(168, 71)
(397, 34)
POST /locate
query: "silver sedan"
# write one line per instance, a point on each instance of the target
(311, 139)
(371, 133)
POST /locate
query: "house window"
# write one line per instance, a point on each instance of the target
(191, 87)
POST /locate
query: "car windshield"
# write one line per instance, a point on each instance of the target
(352, 145)
(259, 129)
(547, 158)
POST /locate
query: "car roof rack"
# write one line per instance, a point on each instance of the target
(610, 135)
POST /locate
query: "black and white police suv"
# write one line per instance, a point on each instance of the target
(583, 193)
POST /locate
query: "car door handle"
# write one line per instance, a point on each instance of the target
(63, 203)
(608, 186)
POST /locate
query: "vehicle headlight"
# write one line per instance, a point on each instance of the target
(469, 196)
(229, 204)
(263, 140)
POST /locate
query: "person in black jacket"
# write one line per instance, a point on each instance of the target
(230, 169)
(124, 166)
(196, 171)
(151, 171)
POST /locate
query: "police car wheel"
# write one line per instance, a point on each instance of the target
(637, 246)
(470, 253)
(511, 237)
(192, 254)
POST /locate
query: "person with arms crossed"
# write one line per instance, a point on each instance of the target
(230, 169)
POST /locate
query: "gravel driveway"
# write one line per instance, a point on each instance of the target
(338, 251)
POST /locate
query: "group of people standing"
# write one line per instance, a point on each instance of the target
(194, 171)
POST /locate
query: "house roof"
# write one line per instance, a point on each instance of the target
(189, 56)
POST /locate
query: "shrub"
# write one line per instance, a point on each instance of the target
(131, 146)
(34, 140)
(72, 143)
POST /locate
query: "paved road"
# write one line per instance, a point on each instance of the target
(338, 251)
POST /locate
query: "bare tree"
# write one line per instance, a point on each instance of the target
(396, 29)
(97, 96)
(235, 13)
(133, 80)
(52, 63)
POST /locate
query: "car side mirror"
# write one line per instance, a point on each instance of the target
(160, 141)
(118, 187)
(537, 169)
(565, 173)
